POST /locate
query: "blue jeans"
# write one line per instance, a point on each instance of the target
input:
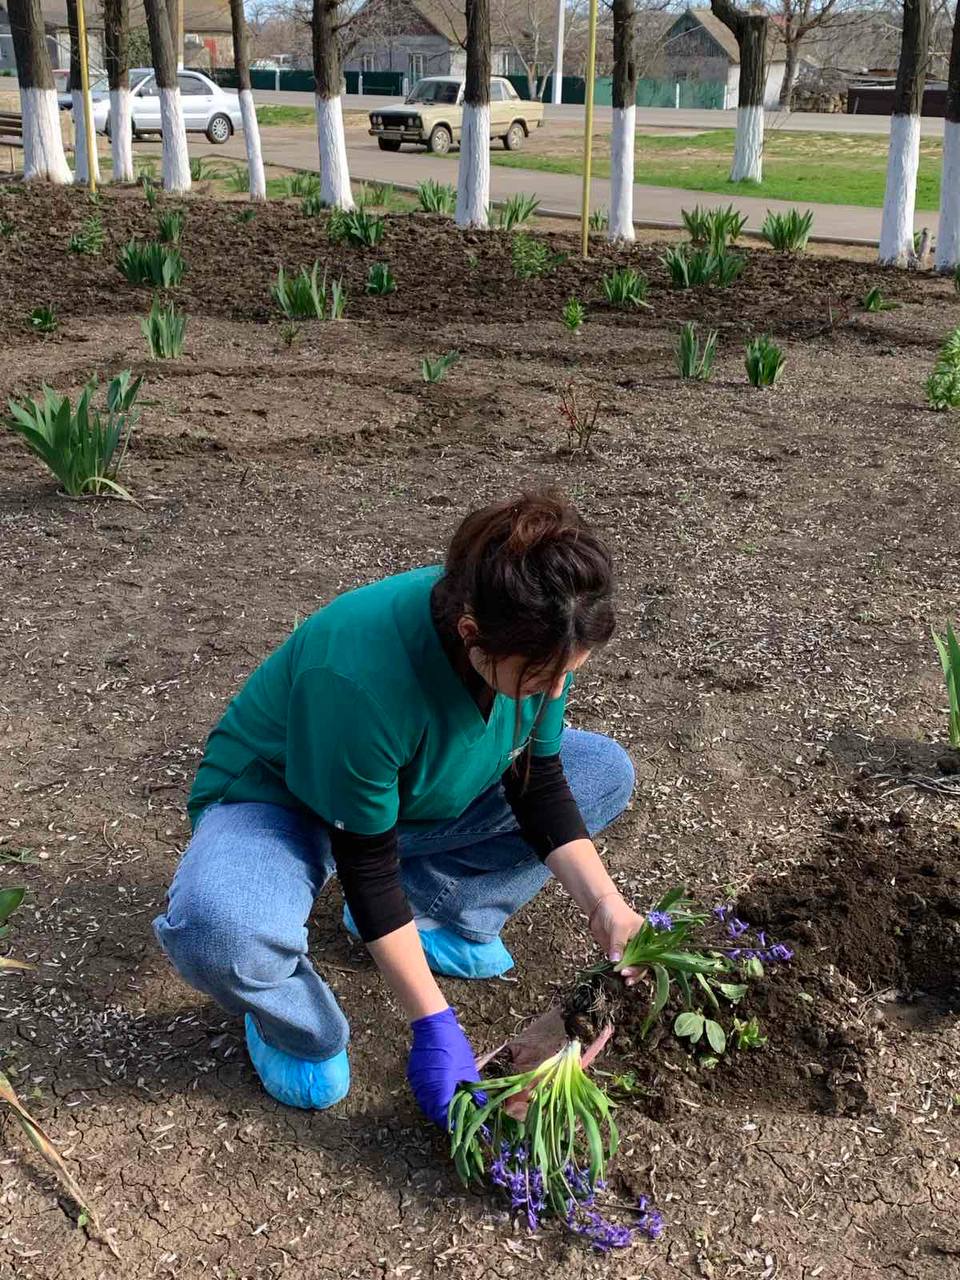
(236, 920)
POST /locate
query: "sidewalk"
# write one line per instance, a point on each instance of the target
(559, 193)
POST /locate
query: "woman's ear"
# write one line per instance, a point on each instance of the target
(467, 628)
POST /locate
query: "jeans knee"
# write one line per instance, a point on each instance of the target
(214, 951)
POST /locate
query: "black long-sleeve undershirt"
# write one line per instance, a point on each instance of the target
(369, 866)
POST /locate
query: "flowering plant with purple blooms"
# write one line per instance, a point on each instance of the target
(551, 1161)
(567, 1127)
(666, 945)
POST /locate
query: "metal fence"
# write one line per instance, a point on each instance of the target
(393, 84)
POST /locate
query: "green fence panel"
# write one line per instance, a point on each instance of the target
(388, 83)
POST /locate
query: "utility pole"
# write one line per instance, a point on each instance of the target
(557, 96)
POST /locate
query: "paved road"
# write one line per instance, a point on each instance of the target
(661, 117)
(559, 192)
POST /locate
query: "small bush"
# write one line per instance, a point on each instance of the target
(518, 209)
(83, 447)
(244, 216)
(290, 334)
(943, 385)
(598, 221)
(436, 197)
(43, 320)
(90, 237)
(625, 287)
(435, 370)
(164, 329)
(380, 279)
(694, 361)
(151, 192)
(305, 296)
(170, 226)
(788, 232)
(150, 262)
(701, 267)
(948, 647)
(873, 300)
(301, 184)
(574, 314)
(6, 227)
(581, 424)
(356, 226)
(764, 361)
(713, 228)
(531, 257)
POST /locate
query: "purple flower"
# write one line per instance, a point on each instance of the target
(660, 920)
(779, 953)
(720, 910)
(736, 927)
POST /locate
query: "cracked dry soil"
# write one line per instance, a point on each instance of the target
(782, 556)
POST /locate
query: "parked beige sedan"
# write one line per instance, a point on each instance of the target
(433, 113)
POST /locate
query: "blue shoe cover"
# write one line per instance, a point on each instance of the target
(294, 1081)
(452, 955)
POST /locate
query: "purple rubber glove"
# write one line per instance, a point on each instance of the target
(440, 1059)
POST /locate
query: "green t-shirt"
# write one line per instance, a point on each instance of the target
(360, 717)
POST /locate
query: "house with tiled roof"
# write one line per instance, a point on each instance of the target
(698, 47)
(420, 38)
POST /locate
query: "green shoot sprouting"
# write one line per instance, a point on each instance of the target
(573, 315)
(948, 648)
(435, 370)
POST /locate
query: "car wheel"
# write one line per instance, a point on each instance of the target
(106, 126)
(441, 140)
(388, 144)
(514, 137)
(219, 129)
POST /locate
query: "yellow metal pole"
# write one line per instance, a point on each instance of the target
(588, 131)
(87, 100)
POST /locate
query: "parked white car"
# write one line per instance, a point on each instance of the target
(206, 107)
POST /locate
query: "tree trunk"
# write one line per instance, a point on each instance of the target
(790, 68)
(473, 177)
(81, 161)
(750, 32)
(620, 224)
(334, 172)
(899, 201)
(176, 160)
(43, 155)
(251, 127)
(948, 237)
(116, 31)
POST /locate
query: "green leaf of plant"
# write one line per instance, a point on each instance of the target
(716, 1036)
(10, 899)
(732, 991)
(689, 1025)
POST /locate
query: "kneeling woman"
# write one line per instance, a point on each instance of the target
(409, 736)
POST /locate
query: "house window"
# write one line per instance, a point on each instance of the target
(415, 66)
(368, 62)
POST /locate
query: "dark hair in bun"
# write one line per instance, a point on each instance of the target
(535, 578)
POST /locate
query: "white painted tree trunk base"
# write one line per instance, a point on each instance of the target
(620, 223)
(81, 172)
(748, 146)
(44, 159)
(121, 135)
(175, 163)
(473, 175)
(334, 170)
(899, 200)
(251, 137)
(948, 237)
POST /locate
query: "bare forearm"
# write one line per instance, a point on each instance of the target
(400, 959)
(578, 867)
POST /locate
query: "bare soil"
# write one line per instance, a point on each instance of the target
(782, 556)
